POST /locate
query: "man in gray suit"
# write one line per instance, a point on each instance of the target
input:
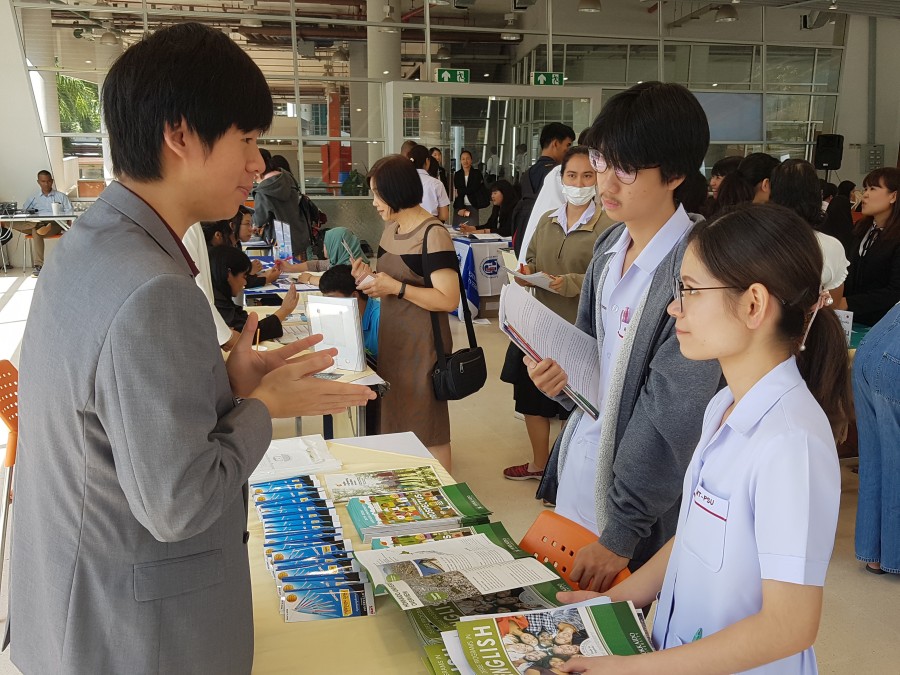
(129, 550)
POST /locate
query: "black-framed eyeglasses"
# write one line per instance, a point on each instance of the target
(600, 165)
(679, 289)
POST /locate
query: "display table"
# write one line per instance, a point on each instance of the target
(384, 643)
(479, 264)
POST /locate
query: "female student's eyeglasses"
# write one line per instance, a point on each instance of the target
(600, 165)
(679, 289)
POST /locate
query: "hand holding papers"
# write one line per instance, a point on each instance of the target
(542, 334)
(538, 279)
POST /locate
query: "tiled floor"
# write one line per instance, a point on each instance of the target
(859, 631)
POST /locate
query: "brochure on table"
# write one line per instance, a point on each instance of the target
(498, 643)
(450, 570)
(294, 456)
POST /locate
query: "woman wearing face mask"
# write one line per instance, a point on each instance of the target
(561, 248)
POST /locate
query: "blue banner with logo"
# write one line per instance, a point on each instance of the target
(469, 276)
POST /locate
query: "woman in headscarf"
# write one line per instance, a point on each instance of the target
(341, 247)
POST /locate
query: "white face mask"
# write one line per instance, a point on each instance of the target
(579, 196)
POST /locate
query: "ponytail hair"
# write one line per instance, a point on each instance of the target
(773, 246)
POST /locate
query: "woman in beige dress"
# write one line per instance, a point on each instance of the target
(406, 354)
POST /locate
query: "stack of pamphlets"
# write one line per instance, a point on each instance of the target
(305, 550)
(343, 486)
(544, 639)
(295, 457)
(402, 513)
(448, 578)
(429, 621)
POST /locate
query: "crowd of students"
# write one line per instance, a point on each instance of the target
(711, 471)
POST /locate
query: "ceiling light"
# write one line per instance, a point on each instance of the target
(833, 5)
(88, 61)
(726, 14)
(589, 6)
(443, 54)
(386, 72)
(715, 84)
(440, 2)
(251, 23)
(510, 37)
(389, 18)
(109, 39)
(487, 74)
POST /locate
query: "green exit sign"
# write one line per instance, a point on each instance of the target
(547, 79)
(458, 75)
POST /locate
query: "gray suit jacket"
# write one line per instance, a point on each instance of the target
(129, 552)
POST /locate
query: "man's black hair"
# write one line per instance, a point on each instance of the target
(829, 190)
(188, 72)
(44, 172)
(556, 131)
(396, 182)
(653, 124)
(726, 165)
(337, 279)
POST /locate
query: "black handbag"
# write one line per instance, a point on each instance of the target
(464, 371)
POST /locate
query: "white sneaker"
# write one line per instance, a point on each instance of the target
(519, 416)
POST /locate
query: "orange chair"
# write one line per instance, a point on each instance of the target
(9, 413)
(29, 246)
(554, 539)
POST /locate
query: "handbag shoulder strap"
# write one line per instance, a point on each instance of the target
(435, 327)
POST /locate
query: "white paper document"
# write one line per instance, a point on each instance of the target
(543, 334)
(297, 456)
(448, 570)
(538, 279)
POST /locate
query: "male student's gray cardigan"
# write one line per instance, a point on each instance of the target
(661, 409)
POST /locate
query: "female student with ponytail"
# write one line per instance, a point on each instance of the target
(741, 581)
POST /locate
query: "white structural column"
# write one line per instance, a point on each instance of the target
(430, 121)
(359, 108)
(36, 24)
(383, 64)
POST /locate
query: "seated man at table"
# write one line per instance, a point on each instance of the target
(337, 282)
(43, 203)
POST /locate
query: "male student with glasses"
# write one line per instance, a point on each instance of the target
(621, 474)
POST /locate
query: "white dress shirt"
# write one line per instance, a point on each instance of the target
(760, 501)
(620, 296)
(434, 194)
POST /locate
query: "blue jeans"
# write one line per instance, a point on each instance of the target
(876, 391)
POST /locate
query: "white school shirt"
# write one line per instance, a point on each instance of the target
(620, 296)
(562, 218)
(760, 501)
(434, 194)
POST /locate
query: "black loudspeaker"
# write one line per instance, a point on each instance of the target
(829, 152)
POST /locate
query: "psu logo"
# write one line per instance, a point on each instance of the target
(490, 267)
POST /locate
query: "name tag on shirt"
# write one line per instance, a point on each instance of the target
(713, 505)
